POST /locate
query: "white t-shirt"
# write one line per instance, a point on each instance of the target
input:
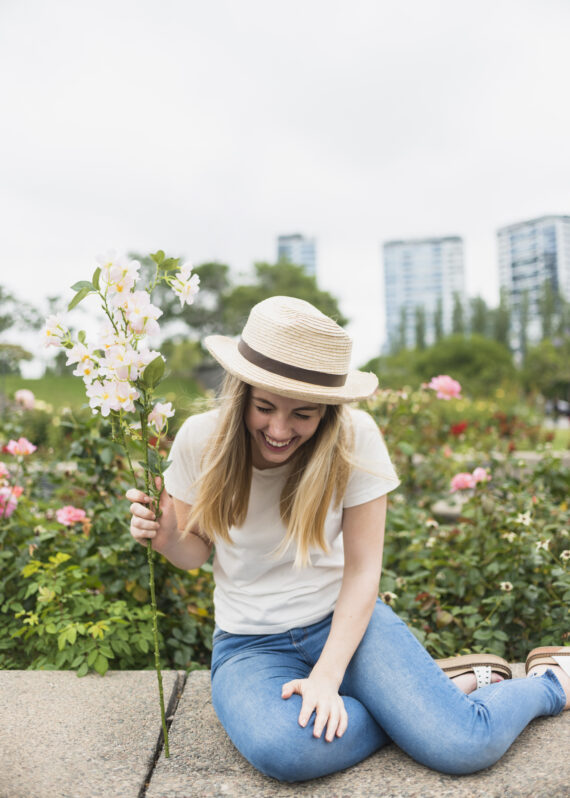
(255, 592)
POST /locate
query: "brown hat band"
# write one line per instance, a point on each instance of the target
(291, 372)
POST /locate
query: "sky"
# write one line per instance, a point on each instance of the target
(207, 129)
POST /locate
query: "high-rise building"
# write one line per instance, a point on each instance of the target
(532, 253)
(300, 250)
(421, 276)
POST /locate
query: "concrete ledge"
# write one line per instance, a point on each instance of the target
(203, 764)
(65, 737)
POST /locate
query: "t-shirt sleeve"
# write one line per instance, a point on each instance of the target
(373, 474)
(181, 476)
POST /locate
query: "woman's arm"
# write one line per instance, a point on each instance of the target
(363, 534)
(187, 552)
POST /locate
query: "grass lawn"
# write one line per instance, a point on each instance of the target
(561, 439)
(68, 391)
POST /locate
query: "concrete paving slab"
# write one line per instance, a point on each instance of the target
(65, 737)
(203, 763)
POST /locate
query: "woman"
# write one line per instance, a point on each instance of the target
(311, 672)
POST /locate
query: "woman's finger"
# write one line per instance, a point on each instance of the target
(334, 721)
(289, 688)
(307, 708)
(135, 495)
(327, 716)
(343, 723)
(140, 511)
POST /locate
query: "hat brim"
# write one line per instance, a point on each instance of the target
(359, 384)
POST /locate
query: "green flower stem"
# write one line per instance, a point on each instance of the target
(150, 557)
(123, 441)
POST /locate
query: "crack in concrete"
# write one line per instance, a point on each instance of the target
(170, 710)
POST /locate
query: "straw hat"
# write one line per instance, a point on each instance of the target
(292, 349)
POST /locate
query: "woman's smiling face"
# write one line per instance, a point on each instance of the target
(279, 426)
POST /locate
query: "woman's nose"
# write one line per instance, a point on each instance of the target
(279, 427)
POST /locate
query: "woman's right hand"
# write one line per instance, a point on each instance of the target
(144, 525)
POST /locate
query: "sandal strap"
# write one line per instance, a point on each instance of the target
(482, 675)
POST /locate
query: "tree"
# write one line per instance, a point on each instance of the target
(524, 312)
(547, 309)
(222, 307)
(18, 315)
(401, 341)
(479, 363)
(547, 369)
(438, 320)
(501, 319)
(203, 316)
(457, 318)
(11, 355)
(479, 317)
(420, 327)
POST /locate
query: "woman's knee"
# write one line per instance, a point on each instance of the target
(285, 757)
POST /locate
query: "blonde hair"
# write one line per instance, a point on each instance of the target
(319, 474)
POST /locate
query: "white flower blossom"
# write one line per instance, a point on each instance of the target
(158, 415)
(430, 542)
(388, 597)
(542, 544)
(54, 331)
(102, 397)
(185, 286)
(506, 586)
(125, 395)
(565, 555)
(141, 314)
(118, 273)
(121, 362)
(510, 536)
(524, 519)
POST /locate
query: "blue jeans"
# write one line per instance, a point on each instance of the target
(392, 691)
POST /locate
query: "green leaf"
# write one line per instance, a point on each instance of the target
(158, 257)
(154, 462)
(82, 336)
(51, 628)
(143, 645)
(101, 665)
(95, 278)
(92, 657)
(81, 285)
(169, 265)
(153, 373)
(82, 671)
(72, 635)
(61, 641)
(80, 296)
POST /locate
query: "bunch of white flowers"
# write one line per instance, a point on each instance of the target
(114, 369)
(120, 371)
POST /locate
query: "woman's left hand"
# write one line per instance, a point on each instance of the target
(320, 696)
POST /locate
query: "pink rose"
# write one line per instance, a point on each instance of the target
(9, 500)
(446, 387)
(462, 481)
(70, 515)
(20, 447)
(481, 475)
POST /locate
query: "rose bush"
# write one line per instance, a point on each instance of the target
(495, 579)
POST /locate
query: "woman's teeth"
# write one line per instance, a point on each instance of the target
(277, 444)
